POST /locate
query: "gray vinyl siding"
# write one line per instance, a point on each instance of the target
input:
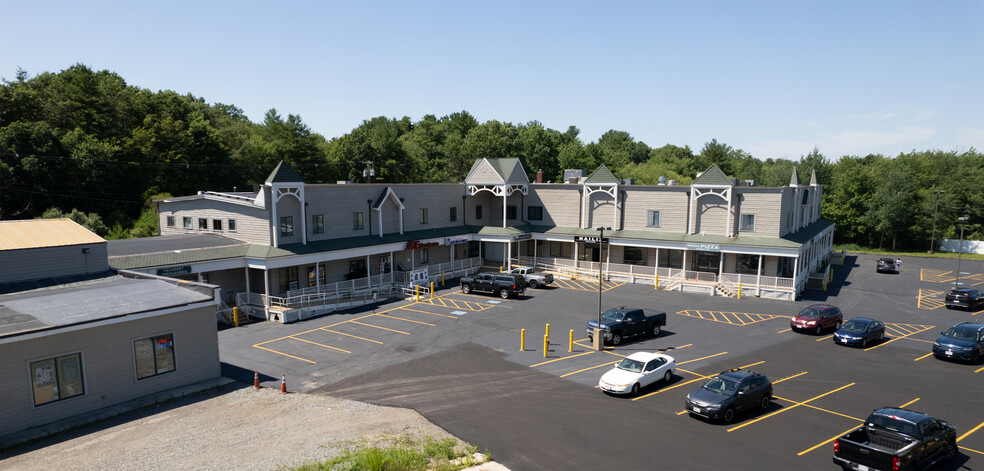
(251, 221)
(232, 281)
(108, 365)
(436, 198)
(290, 206)
(712, 215)
(601, 210)
(484, 199)
(763, 203)
(338, 203)
(786, 214)
(485, 174)
(671, 202)
(561, 204)
(47, 262)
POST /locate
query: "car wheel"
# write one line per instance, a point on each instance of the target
(657, 330)
(667, 376)
(949, 306)
(764, 403)
(466, 289)
(819, 329)
(729, 415)
(951, 451)
(616, 339)
(503, 294)
(532, 283)
(864, 342)
(837, 326)
(635, 389)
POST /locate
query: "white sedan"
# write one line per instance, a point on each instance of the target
(637, 371)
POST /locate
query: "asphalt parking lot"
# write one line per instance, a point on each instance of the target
(457, 360)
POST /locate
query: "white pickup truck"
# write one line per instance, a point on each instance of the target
(533, 278)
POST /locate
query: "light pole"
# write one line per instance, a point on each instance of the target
(960, 248)
(932, 239)
(601, 246)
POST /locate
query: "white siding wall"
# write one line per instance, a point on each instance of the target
(251, 222)
(108, 365)
(561, 204)
(764, 204)
(672, 203)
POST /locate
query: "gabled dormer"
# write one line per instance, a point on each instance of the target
(602, 180)
(287, 186)
(712, 182)
(501, 177)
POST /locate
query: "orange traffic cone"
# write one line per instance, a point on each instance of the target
(256, 379)
(283, 385)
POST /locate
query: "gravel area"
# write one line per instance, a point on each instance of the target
(229, 427)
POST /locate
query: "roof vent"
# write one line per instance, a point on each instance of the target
(749, 182)
(344, 182)
(671, 183)
(628, 181)
(662, 181)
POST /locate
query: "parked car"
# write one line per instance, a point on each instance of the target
(730, 392)
(501, 284)
(623, 322)
(964, 341)
(896, 439)
(971, 299)
(886, 265)
(533, 278)
(860, 331)
(636, 371)
(817, 318)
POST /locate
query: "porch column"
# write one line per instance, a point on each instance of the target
(379, 217)
(720, 265)
(795, 273)
(575, 256)
(413, 255)
(392, 266)
(685, 263)
(508, 255)
(274, 221)
(504, 200)
(758, 277)
(368, 273)
(266, 287)
(534, 253)
(247, 284)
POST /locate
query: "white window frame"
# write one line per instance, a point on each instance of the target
(746, 223)
(649, 218)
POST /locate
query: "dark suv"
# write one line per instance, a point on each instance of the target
(501, 284)
(886, 265)
(817, 318)
(964, 341)
(965, 297)
(729, 392)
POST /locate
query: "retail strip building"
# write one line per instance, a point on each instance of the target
(291, 249)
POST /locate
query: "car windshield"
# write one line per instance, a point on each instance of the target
(632, 366)
(962, 333)
(855, 325)
(722, 386)
(810, 312)
(613, 315)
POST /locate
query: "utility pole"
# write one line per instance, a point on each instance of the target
(369, 172)
(932, 239)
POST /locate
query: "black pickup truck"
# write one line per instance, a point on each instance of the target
(626, 322)
(503, 285)
(896, 439)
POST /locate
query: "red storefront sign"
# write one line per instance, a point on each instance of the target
(416, 244)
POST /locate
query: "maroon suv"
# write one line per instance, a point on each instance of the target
(817, 318)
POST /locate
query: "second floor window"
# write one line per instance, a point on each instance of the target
(478, 211)
(232, 224)
(287, 225)
(203, 224)
(423, 215)
(357, 222)
(534, 213)
(510, 212)
(747, 223)
(318, 224)
(170, 221)
(652, 218)
(216, 224)
(186, 222)
(454, 214)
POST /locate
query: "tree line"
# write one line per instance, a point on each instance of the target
(86, 144)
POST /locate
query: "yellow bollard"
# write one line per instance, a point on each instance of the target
(570, 342)
(546, 345)
(432, 290)
(235, 316)
(522, 340)
(442, 278)
(501, 269)
(739, 290)
(548, 331)
(417, 289)
(656, 282)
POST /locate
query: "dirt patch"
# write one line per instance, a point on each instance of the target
(230, 427)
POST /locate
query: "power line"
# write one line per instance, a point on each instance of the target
(188, 165)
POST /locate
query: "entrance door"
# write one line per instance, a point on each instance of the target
(708, 261)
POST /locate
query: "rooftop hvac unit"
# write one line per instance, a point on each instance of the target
(662, 180)
(671, 183)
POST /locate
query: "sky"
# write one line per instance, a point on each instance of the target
(773, 78)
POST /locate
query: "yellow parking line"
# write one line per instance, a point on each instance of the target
(608, 363)
(751, 365)
(924, 356)
(818, 408)
(824, 338)
(682, 412)
(431, 313)
(897, 338)
(350, 335)
(699, 377)
(978, 371)
(284, 354)
(781, 331)
(835, 437)
(907, 404)
(788, 377)
(563, 358)
(702, 358)
(920, 340)
(331, 325)
(969, 449)
(971, 431)
(788, 408)
(408, 320)
(321, 345)
(384, 328)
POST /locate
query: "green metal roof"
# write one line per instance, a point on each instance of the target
(601, 176)
(504, 168)
(712, 176)
(284, 174)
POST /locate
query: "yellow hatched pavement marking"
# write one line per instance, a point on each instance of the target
(923, 329)
(586, 285)
(929, 299)
(457, 304)
(727, 317)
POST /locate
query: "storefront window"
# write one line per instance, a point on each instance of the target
(154, 355)
(57, 378)
(635, 256)
(671, 258)
(747, 264)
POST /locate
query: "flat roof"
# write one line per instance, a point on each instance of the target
(168, 243)
(93, 300)
(37, 233)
